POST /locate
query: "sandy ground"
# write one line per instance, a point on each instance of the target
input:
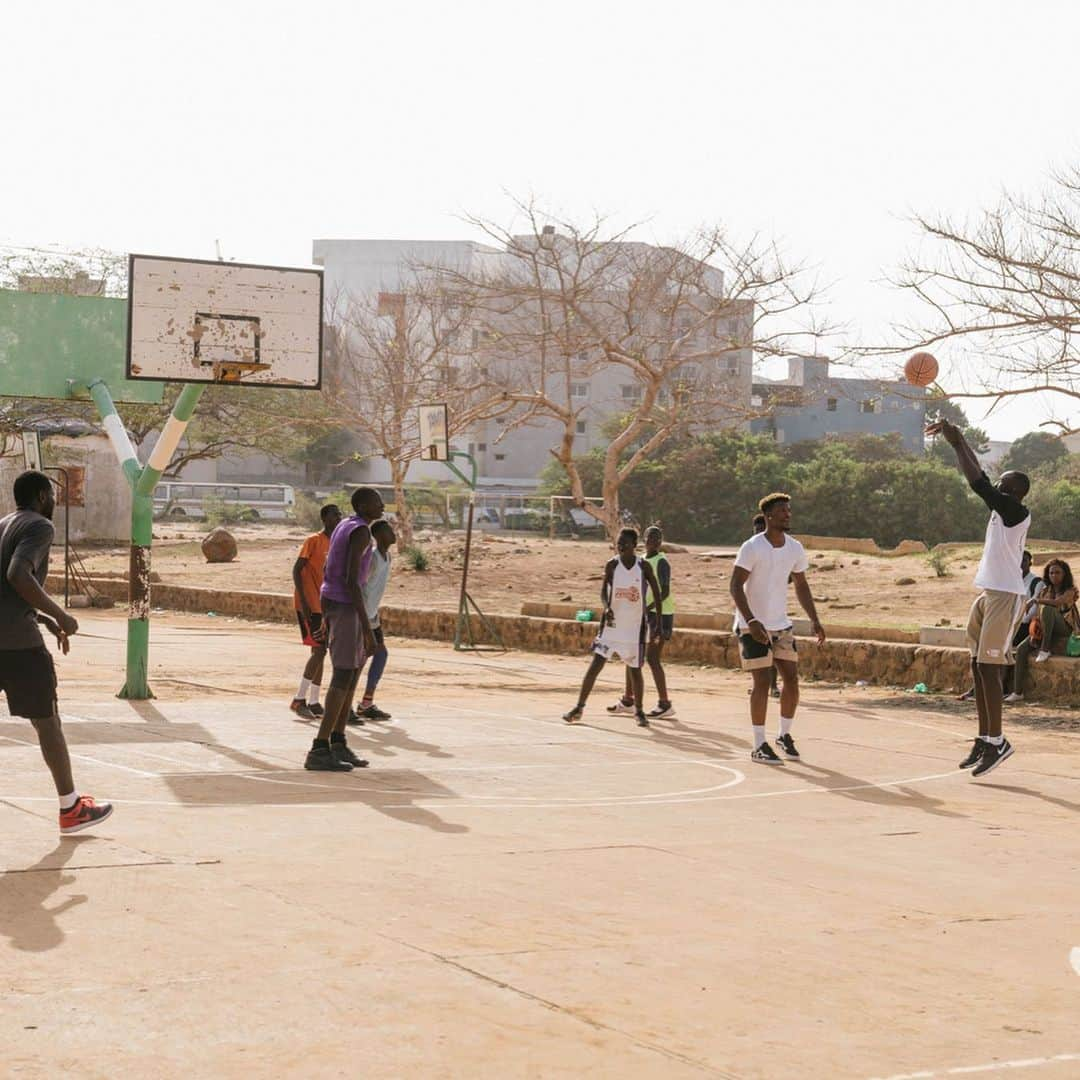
(501, 895)
(855, 590)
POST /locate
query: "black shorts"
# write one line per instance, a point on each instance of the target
(28, 680)
(667, 625)
(307, 629)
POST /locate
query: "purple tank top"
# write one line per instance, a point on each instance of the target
(336, 570)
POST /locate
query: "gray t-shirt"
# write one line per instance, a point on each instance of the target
(25, 536)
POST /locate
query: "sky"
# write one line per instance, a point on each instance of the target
(166, 129)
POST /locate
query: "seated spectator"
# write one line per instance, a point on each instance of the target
(1033, 584)
(1051, 628)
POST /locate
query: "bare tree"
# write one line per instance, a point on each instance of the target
(1007, 287)
(674, 328)
(392, 352)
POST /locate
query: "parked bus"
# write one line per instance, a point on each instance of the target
(180, 500)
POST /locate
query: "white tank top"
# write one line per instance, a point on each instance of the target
(627, 601)
(999, 569)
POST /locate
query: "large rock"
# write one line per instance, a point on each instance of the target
(219, 546)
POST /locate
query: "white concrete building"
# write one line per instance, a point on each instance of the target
(515, 461)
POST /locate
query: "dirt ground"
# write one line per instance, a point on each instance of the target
(501, 895)
(857, 590)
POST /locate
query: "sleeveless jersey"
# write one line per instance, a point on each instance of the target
(627, 602)
(336, 568)
(654, 561)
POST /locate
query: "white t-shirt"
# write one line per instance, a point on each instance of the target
(372, 590)
(767, 586)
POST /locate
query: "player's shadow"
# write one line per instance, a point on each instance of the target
(393, 792)
(391, 738)
(853, 787)
(674, 735)
(27, 919)
(1065, 804)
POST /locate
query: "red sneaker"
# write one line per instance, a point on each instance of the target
(85, 814)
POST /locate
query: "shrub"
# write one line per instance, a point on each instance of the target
(939, 560)
(416, 557)
(219, 512)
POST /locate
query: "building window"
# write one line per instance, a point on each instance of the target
(733, 367)
(482, 447)
(830, 404)
(580, 427)
(579, 389)
(757, 400)
(500, 457)
(631, 392)
(870, 405)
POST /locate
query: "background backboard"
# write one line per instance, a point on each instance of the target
(201, 321)
(434, 432)
(53, 344)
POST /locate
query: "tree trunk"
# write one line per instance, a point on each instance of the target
(403, 526)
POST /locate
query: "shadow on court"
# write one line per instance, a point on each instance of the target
(713, 744)
(1065, 804)
(26, 918)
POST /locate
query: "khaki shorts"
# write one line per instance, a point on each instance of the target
(992, 625)
(754, 655)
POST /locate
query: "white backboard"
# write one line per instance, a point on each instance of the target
(31, 441)
(434, 432)
(200, 321)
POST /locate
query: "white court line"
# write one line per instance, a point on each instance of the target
(1074, 959)
(86, 757)
(969, 1070)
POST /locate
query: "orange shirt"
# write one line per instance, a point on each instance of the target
(315, 549)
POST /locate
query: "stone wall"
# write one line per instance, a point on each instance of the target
(879, 662)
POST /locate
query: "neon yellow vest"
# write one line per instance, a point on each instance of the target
(668, 607)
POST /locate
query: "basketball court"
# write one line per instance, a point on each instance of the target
(501, 894)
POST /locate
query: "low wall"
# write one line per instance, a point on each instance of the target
(722, 621)
(878, 662)
(860, 546)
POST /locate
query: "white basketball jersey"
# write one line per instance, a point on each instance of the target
(627, 601)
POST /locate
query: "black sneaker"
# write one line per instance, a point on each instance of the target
(316, 709)
(642, 720)
(664, 711)
(342, 752)
(992, 756)
(322, 760)
(373, 712)
(787, 744)
(766, 755)
(574, 715)
(302, 709)
(973, 755)
(354, 718)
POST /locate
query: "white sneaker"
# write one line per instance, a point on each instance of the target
(620, 708)
(1013, 698)
(1044, 655)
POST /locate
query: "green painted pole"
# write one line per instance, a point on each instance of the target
(142, 481)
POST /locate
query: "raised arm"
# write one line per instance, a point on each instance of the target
(969, 463)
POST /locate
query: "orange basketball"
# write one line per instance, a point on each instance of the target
(921, 369)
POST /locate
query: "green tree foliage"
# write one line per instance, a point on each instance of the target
(1033, 450)
(706, 489)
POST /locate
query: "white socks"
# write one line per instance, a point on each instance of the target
(303, 691)
(313, 693)
(785, 724)
(759, 735)
(68, 801)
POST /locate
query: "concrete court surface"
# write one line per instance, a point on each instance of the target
(501, 895)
